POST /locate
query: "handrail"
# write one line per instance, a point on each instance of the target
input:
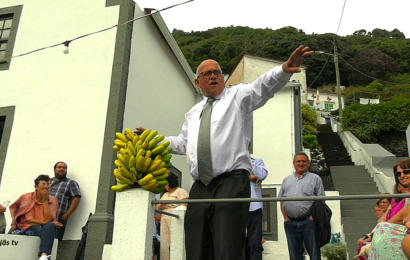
(166, 213)
(232, 200)
(373, 169)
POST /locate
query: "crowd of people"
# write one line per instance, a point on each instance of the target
(389, 240)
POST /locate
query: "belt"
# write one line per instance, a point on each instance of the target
(299, 219)
(234, 172)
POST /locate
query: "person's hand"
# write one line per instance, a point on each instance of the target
(408, 227)
(139, 130)
(58, 224)
(360, 241)
(287, 219)
(64, 217)
(311, 218)
(253, 178)
(45, 193)
(295, 60)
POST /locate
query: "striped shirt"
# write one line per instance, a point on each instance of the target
(64, 191)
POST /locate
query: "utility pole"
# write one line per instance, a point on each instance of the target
(339, 94)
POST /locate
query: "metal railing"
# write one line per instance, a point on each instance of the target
(276, 199)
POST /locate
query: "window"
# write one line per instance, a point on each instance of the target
(9, 20)
(6, 122)
(5, 27)
(329, 106)
(270, 217)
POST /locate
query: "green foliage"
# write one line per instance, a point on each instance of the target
(366, 122)
(310, 141)
(334, 251)
(375, 86)
(226, 44)
(309, 120)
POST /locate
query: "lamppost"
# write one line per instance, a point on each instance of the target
(339, 94)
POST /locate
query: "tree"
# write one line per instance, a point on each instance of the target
(396, 34)
(373, 63)
(380, 33)
(361, 32)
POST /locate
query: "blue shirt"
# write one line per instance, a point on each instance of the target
(308, 185)
(261, 172)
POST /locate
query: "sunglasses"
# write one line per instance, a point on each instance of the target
(405, 172)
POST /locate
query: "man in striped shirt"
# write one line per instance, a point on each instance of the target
(67, 193)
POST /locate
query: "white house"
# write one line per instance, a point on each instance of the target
(323, 100)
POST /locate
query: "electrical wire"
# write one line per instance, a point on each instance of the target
(340, 21)
(341, 17)
(321, 69)
(67, 42)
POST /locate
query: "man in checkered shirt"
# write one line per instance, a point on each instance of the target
(67, 193)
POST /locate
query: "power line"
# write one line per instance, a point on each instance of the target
(341, 17)
(321, 69)
(330, 47)
(67, 42)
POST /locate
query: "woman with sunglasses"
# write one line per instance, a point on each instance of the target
(388, 236)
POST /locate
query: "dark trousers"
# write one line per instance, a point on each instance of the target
(156, 246)
(60, 231)
(46, 233)
(254, 234)
(217, 230)
(299, 233)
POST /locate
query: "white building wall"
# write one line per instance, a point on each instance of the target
(159, 92)
(61, 100)
(273, 124)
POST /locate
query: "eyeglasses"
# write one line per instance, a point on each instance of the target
(44, 183)
(405, 172)
(208, 74)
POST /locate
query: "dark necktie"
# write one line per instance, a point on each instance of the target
(205, 169)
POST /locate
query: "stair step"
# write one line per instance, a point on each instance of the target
(357, 193)
(357, 212)
(357, 186)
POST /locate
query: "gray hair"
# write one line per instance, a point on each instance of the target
(301, 153)
(203, 62)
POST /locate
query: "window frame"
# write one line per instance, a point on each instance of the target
(15, 12)
(8, 113)
(270, 214)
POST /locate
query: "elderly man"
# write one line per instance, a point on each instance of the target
(67, 193)
(215, 139)
(299, 226)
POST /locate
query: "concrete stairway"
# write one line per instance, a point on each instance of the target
(358, 216)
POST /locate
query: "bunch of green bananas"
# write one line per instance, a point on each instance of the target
(143, 161)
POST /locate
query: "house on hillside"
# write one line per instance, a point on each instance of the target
(324, 100)
(58, 107)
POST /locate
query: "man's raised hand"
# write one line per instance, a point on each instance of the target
(296, 58)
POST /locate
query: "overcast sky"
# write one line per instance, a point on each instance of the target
(312, 16)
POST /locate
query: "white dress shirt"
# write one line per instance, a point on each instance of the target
(231, 123)
(261, 172)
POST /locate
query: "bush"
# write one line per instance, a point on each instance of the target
(366, 122)
(334, 251)
(309, 120)
(310, 141)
